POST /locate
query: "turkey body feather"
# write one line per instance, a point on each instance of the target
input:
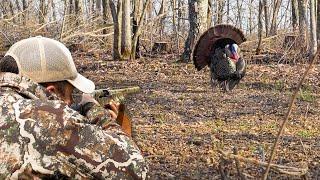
(224, 71)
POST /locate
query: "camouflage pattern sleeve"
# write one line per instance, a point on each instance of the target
(95, 114)
(47, 139)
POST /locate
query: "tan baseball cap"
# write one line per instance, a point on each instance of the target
(47, 60)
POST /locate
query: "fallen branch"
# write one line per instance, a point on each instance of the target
(294, 97)
(279, 168)
(235, 151)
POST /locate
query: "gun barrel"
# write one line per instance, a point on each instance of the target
(123, 91)
(107, 93)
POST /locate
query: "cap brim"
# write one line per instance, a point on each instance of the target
(83, 84)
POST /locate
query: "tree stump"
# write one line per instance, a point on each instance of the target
(159, 47)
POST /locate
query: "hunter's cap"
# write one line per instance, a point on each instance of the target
(47, 60)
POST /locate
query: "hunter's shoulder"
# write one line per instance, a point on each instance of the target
(23, 86)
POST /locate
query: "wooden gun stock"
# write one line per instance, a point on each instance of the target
(124, 120)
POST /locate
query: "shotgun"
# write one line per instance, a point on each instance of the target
(104, 96)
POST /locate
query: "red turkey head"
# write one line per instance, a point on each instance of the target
(232, 51)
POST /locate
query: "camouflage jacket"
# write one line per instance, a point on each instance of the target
(41, 137)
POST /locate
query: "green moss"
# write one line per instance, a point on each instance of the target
(306, 95)
(305, 133)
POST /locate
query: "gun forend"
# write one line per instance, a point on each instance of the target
(101, 93)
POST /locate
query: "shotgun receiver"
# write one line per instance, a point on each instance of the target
(104, 96)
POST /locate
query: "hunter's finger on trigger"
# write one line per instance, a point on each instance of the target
(113, 114)
(114, 108)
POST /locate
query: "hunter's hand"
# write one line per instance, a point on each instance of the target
(113, 108)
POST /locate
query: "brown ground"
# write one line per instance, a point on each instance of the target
(180, 122)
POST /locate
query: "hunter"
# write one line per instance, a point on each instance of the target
(41, 136)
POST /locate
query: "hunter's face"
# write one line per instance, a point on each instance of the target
(63, 90)
(66, 96)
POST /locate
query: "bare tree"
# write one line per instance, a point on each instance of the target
(318, 19)
(18, 8)
(250, 15)
(98, 7)
(259, 27)
(79, 11)
(209, 14)
(220, 9)
(138, 5)
(24, 8)
(117, 21)
(162, 13)
(274, 25)
(302, 22)
(138, 30)
(228, 11)
(126, 31)
(105, 14)
(198, 24)
(313, 27)
(295, 15)
(266, 16)
(42, 12)
(239, 16)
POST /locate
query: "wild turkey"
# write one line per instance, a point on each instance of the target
(218, 48)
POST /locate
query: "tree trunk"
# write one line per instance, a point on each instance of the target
(71, 7)
(198, 24)
(105, 14)
(239, 17)
(179, 15)
(162, 12)
(295, 16)
(25, 12)
(78, 6)
(90, 7)
(12, 10)
(209, 14)
(318, 19)
(175, 27)
(313, 27)
(302, 4)
(220, 9)
(42, 12)
(259, 27)
(138, 5)
(19, 9)
(266, 16)
(138, 30)
(228, 11)
(250, 15)
(126, 31)
(98, 7)
(276, 8)
(117, 19)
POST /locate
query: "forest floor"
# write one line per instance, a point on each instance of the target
(180, 122)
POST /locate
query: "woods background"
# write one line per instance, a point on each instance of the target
(181, 124)
(127, 27)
